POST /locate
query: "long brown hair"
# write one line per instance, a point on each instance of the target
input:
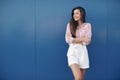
(73, 23)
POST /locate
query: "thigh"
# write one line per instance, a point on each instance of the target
(75, 70)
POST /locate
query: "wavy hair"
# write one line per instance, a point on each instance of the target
(73, 23)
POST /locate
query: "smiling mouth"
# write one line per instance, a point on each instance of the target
(75, 18)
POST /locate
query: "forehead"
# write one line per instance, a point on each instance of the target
(76, 11)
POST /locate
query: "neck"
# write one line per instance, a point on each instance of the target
(80, 23)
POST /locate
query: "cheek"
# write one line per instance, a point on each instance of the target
(78, 17)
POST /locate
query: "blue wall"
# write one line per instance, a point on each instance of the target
(32, 39)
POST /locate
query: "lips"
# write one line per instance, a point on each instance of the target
(75, 18)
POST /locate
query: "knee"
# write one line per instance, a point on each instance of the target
(78, 78)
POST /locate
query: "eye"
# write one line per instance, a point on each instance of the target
(77, 13)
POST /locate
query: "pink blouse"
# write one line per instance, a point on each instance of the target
(83, 31)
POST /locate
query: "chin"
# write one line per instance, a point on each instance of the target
(75, 19)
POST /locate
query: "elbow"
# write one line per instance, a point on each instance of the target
(87, 41)
(68, 40)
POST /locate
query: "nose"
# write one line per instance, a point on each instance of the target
(75, 15)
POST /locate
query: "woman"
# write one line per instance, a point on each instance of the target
(78, 35)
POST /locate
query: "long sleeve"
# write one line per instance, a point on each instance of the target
(88, 30)
(85, 33)
(68, 35)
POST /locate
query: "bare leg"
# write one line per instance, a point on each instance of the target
(82, 73)
(76, 71)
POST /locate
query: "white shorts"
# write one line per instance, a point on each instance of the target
(78, 54)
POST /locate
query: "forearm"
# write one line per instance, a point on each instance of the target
(81, 40)
(86, 40)
(77, 40)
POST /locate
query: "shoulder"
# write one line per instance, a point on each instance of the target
(87, 25)
(68, 25)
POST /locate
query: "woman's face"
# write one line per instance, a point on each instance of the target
(77, 15)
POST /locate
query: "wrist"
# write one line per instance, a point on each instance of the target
(72, 39)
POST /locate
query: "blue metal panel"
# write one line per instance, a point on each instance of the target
(113, 39)
(32, 39)
(17, 40)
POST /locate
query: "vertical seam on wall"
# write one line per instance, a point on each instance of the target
(35, 46)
